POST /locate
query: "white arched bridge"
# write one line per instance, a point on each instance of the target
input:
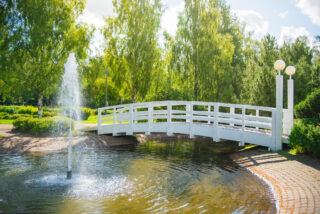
(220, 121)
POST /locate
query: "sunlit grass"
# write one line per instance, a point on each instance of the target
(93, 119)
(5, 121)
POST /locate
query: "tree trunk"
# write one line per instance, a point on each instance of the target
(134, 96)
(40, 99)
(196, 84)
(106, 93)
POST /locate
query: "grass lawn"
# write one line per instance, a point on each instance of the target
(93, 119)
(5, 121)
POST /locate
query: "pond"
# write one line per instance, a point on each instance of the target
(153, 177)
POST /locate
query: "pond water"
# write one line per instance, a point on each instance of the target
(154, 177)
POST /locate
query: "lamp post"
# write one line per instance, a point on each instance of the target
(287, 118)
(290, 70)
(279, 65)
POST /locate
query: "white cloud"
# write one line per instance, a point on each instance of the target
(96, 11)
(169, 19)
(94, 14)
(283, 15)
(310, 8)
(290, 33)
(254, 22)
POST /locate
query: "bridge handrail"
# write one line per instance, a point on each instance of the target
(200, 103)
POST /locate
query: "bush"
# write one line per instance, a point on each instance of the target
(310, 107)
(49, 109)
(13, 116)
(305, 137)
(86, 112)
(49, 114)
(9, 109)
(53, 125)
(27, 110)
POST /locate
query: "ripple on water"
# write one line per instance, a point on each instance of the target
(84, 186)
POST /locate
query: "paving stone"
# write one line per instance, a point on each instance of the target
(295, 183)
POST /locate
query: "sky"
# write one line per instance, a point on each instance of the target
(284, 19)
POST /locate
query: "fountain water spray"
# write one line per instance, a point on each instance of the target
(70, 101)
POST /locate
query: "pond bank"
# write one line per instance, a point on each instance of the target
(294, 180)
(16, 142)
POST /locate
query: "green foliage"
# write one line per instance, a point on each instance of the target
(53, 125)
(305, 137)
(13, 116)
(39, 43)
(132, 51)
(9, 109)
(27, 110)
(310, 107)
(85, 113)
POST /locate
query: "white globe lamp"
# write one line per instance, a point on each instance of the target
(290, 70)
(279, 65)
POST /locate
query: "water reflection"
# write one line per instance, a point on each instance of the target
(155, 177)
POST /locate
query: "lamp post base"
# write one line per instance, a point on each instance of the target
(69, 174)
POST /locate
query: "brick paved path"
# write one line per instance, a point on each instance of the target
(295, 181)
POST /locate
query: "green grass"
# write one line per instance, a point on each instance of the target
(91, 119)
(5, 121)
(1, 136)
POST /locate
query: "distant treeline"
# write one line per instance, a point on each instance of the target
(210, 58)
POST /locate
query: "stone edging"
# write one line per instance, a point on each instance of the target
(272, 183)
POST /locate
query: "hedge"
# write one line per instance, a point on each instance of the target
(310, 107)
(27, 110)
(12, 116)
(305, 136)
(50, 125)
(9, 109)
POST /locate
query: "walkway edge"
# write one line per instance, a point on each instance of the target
(271, 182)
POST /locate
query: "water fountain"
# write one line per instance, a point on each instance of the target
(70, 101)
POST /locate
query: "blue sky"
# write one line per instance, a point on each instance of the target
(284, 19)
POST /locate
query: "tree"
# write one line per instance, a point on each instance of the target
(259, 79)
(132, 47)
(302, 56)
(203, 52)
(48, 34)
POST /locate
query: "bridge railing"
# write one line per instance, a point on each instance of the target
(241, 117)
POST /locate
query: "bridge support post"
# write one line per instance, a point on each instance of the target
(242, 143)
(169, 107)
(190, 107)
(99, 121)
(279, 114)
(150, 120)
(130, 132)
(216, 123)
(114, 131)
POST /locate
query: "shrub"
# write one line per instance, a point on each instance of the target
(305, 137)
(53, 125)
(49, 109)
(49, 114)
(27, 110)
(13, 116)
(86, 112)
(310, 107)
(9, 109)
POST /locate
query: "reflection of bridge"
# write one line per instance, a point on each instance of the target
(243, 123)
